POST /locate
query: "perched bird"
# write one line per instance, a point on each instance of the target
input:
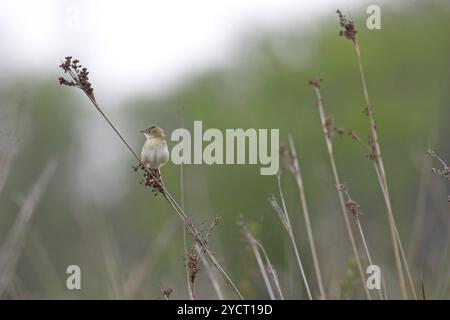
(154, 152)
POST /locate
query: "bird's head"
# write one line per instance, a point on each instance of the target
(153, 132)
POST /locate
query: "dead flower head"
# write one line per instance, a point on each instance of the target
(315, 83)
(352, 208)
(445, 171)
(289, 160)
(347, 27)
(152, 178)
(79, 76)
(353, 135)
(193, 265)
(329, 126)
(373, 155)
(340, 132)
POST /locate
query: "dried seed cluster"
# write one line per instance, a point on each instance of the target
(152, 178)
(193, 265)
(315, 83)
(348, 28)
(445, 171)
(79, 76)
(353, 135)
(351, 205)
(289, 160)
(373, 155)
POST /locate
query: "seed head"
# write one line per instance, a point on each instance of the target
(79, 76)
(347, 27)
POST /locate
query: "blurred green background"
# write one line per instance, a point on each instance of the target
(129, 244)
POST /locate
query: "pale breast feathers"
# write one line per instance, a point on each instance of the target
(155, 153)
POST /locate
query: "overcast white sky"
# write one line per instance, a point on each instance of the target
(150, 44)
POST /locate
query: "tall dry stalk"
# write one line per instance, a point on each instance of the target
(266, 268)
(284, 217)
(212, 277)
(353, 209)
(272, 272)
(329, 144)
(349, 32)
(262, 268)
(185, 244)
(79, 79)
(294, 167)
(193, 266)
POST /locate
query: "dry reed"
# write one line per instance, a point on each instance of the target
(284, 217)
(328, 135)
(292, 163)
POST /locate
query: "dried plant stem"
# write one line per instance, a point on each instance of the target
(185, 245)
(299, 180)
(261, 265)
(405, 262)
(379, 167)
(209, 272)
(354, 209)
(271, 271)
(329, 145)
(276, 281)
(424, 296)
(288, 227)
(366, 248)
(180, 212)
(384, 289)
(266, 268)
(190, 289)
(400, 247)
(381, 173)
(200, 241)
(211, 276)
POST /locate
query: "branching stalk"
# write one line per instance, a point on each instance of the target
(329, 145)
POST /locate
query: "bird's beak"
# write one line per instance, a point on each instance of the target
(143, 131)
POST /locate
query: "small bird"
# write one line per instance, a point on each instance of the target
(154, 152)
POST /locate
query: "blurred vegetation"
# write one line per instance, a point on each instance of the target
(95, 213)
